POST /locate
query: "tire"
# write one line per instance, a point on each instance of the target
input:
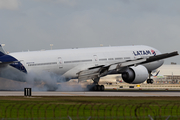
(148, 81)
(102, 87)
(151, 81)
(95, 88)
(98, 87)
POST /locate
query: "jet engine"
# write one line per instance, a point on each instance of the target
(135, 75)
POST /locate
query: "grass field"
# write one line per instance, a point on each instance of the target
(84, 107)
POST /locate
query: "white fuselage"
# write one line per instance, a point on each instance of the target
(68, 62)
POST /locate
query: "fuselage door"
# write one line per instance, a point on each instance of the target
(60, 62)
(96, 60)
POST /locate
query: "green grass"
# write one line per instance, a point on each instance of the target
(83, 107)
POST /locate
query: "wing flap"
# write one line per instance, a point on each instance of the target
(87, 77)
(100, 71)
(88, 74)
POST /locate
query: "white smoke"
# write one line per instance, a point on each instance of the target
(38, 81)
(47, 81)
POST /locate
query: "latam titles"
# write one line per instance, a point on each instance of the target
(142, 52)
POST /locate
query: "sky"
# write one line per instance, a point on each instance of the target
(35, 24)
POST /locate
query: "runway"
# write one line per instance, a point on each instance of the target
(104, 93)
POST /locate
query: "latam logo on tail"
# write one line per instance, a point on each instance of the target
(144, 52)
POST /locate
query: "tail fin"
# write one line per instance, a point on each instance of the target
(2, 52)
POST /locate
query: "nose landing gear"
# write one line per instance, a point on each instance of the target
(150, 81)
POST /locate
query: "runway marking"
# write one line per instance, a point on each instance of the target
(155, 94)
(71, 94)
(151, 94)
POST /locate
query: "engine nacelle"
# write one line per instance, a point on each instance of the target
(135, 75)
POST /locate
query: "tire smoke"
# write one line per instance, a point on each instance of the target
(38, 81)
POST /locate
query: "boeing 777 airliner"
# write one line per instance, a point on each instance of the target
(135, 63)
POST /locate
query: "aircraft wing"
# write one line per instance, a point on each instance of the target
(160, 57)
(100, 71)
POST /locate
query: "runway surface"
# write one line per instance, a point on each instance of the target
(104, 93)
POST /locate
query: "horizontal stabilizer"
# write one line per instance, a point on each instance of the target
(7, 59)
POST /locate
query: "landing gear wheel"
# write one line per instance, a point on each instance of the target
(95, 87)
(150, 81)
(98, 87)
(102, 87)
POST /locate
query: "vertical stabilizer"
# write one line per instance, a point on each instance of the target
(2, 52)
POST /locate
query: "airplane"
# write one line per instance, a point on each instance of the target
(135, 63)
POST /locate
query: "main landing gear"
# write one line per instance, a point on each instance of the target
(150, 81)
(95, 86)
